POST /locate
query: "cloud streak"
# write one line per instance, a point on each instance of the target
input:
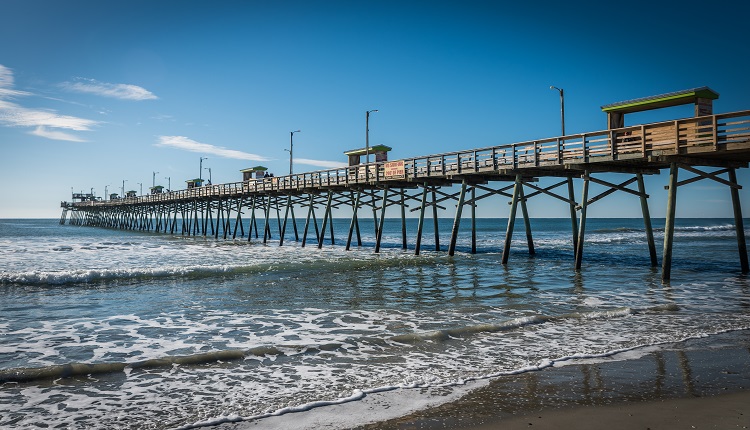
(44, 121)
(55, 135)
(187, 144)
(104, 89)
(320, 163)
(14, 115)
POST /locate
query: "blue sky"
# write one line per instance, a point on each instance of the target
(96, 92)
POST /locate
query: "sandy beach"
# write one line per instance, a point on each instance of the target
(698, 384)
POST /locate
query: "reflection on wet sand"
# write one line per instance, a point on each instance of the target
(686, 370)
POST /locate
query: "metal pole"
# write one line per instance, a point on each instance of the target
(291, 150)
(367, 144)
(562, 107)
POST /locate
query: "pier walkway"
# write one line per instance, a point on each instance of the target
(720, 142)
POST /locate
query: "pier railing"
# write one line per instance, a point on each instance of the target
(730, 131)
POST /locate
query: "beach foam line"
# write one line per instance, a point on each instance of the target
(360, 394)
(32, 374)
(444, 335)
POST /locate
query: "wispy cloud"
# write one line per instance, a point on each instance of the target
(187, 144)
(7, 83)
(55, 135)
(44, 121)
(104, 89)
(320, 163)
(15, 115)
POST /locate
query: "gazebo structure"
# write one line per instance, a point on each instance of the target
(158, 189)
(194, 183)
(702, 98)
(380, 151)
(259, 171)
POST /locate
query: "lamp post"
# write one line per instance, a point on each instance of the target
(200, 171)
(209, 175)
(169, 182)
(153, 182)
(562, 107)
(367, 143)
(141, 184)
(106, 195)
(291, 150)
(122, 196)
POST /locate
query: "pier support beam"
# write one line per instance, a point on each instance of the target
(666, 261)
(355, 207)
(582, 228)
(326, 215)
(457, 219)
(573, 216)
(738, 223)
(420, 224)
(647, 220)
(511, 219)
(382, 220)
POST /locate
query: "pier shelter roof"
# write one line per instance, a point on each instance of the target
(701, 97)
(363, 151)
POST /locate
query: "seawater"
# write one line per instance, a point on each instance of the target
(105, 328)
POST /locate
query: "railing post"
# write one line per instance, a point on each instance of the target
(715, 124)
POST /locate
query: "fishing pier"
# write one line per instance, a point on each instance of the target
(717, 142)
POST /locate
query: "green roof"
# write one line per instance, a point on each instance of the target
(363, 151)
(662, 100)
(255, 169)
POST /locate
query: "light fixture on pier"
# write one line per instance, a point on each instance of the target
(367, 142)
(200, 171)
(291, 149)
(562, 106)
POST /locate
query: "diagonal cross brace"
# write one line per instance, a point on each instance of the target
(612, 189)
(703, 175)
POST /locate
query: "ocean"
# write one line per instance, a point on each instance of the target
(104, 328)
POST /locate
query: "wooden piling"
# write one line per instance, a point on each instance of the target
(738, 223)
(420, 224)
(647, 220)
(582, 228)
(511, 219)
(666, 261)
(457, 219)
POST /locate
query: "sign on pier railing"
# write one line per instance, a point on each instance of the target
(394, 170)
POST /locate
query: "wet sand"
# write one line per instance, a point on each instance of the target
(699, 384)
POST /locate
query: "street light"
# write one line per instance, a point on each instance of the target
(106, 195)
(200, 171)
(291, 149)
(153, 182)
(169, 183)
(562, 107)
(367, 142)
(141, 184)
(122, 196)
(209, 175)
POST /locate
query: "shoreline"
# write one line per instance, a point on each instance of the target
(703, 383)
(700, 382)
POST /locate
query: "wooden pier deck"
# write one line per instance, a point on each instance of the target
(718, 141)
